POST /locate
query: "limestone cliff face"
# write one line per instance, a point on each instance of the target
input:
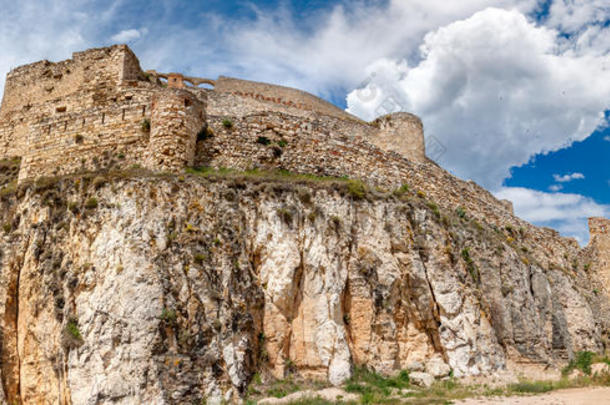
(156, 290)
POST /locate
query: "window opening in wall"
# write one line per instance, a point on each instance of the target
(103, 117)
(65, 126)
(60, 109)
(83, 122)
(187, 102)
(143, 110)
(123, 115)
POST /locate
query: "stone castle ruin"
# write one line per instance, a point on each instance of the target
(66, 116)
(100, 109)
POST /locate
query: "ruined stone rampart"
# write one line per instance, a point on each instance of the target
(279, 96)
(321, 145)
(37, 83)
(65, 116)
(86, 139)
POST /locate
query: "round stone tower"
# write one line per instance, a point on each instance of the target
(402, 133)
(599, 242)
(177, 116)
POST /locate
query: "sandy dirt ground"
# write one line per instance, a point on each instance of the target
(572, 396)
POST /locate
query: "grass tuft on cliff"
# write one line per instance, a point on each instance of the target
(374, 388)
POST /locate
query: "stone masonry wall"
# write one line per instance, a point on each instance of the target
(599, 229)
(44, 81)
(177, 118)
(82, 139)
(281, 97)
(311, 145)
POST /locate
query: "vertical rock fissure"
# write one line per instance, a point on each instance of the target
(433, 334)
(9, 344)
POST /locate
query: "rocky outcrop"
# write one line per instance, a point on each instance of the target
(172, 290)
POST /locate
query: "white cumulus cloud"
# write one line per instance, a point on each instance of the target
(568, 177)
(495, 90)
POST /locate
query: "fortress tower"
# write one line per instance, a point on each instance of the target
(402, 133)
(599, 230)
(177, 116)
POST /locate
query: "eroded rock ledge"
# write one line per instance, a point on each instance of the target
(170, 290)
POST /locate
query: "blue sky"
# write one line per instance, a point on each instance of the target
(516, 91)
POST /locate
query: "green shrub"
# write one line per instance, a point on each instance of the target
(91, 203)
(470, 266)
(282, 143)
(72, 329)
(199, 258)
(581, 361)
(461, 212)
(281, 388)
(263, 140)
(227, 123)
(7, 227)
(435, 209)
(373, 387)
(356, 189)
(145, 125)
(404, 189)
(536, 387)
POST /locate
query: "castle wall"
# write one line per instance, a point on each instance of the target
(87, 139)
(314, 146)
(40, 82)
(281, 97)
(177, 117)
(14, 137)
